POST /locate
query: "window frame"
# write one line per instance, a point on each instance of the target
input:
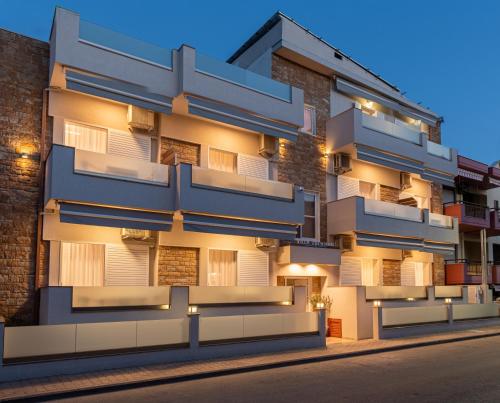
(316, 219)
(313, 121)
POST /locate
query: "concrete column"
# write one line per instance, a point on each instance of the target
(377, 323)
(484, 266)
(449, 313)
(194, 331)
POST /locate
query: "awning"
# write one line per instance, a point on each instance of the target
(112, 217)
(231, 226)
(378, 157)
(439, 177)
(358, 91)
(440, 248)
(236, 117)
(117, 91)
(382, 241)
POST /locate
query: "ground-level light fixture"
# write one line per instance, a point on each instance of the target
(410, 299)
(377, 303)
(320, 305)
(192, 309)
(447, 300)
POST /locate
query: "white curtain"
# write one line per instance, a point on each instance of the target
(222, 160)
(81, 264)
(221, 268)
(84, 137)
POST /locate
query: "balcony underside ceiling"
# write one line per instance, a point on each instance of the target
(113, 217)
(237, 117)
(391, 242)
(116, 90)
(231, 226)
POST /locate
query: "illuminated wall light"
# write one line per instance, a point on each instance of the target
(164, 306)
(410, 299)
(24, 155)
(377, 303)
(320, 305)
(192, 309)
(369, 104)
(447, 300)
(311, 268)
(286, 303)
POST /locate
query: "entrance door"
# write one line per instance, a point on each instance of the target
(300, 281)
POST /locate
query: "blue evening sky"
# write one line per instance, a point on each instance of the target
(445, 54)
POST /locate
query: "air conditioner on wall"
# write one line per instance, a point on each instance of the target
(268, 146)
(341, 163)
(345, 242)
(139, 118)
(136, 234)
(266, 244)
(405, 180)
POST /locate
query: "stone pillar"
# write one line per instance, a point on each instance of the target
(322, 325)
(449, 313)
(377, 323)
(484, 267)
(194, 330)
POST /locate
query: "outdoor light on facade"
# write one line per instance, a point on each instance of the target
(447, 300)
(320, 305)
(410, 299)
(165, 306)
(377, 303)
(192, 309)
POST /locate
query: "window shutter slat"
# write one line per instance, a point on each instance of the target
(350, 271)
(127, 265)
(253, 268)
(250, 165)
(347, 187)
(129, 145)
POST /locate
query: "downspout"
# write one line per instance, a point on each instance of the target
(39, 208)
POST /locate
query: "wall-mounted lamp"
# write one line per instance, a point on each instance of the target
(448, 300)
(377, 303)
(164, 306)
(369, 104)
(192, 309)
(410, 299)
(24, 155)
(286, 303)
(320, 305)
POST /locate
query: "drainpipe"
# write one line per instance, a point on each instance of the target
(39, 208)
(484, 266)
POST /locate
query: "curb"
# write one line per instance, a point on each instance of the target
(231, 371)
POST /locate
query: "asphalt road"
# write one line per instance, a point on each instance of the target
(466, 371)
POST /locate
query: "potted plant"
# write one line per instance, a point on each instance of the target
(327, 302)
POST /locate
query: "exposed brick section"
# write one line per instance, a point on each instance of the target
(23, 77)
(302, 162)
(178, 265)
(389, 194)
(391, 272)
(280, 281)
(436, 198)
(438, 272)
(186, 152)
(316, 285)
(435, 133)
(43, 277)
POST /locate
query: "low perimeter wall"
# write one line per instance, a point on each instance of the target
(35, 351)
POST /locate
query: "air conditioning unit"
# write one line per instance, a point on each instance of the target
(341, 163)
(136, 234)
(407, 254)
(269, 146)
(139, 118)
(405, 180)
(345, 242)
(266, 244)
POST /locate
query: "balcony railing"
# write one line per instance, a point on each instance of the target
(440, 220)
(378, 207)
(392, 129)
(245, 78)
(242, 183)
(107, 39)
(438, 150)
(464, 272)
(113, 166)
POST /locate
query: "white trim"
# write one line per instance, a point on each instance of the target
(316, 218)
(313, 121)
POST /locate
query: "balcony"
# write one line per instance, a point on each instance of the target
(395, 145)
(471, 217)
(97, 61)
(382, 224)
(463, 272)
(223, 202)
(495, 274)
(80, 181)
(309, 252)
(494, 229)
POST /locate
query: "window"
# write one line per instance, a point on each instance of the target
(309, 120)
(311, 223)
(222, 160)
(222, 267)
(81, 264)
(84, 137)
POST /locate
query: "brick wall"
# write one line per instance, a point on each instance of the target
(302, 162)
(23, 77)
(186, 152)
(435, 133)
(178, 266)
(389, 194)
(438, 272)
(391, 272)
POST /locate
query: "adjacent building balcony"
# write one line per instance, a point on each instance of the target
(228, 203)
(463, 272)
(495, 274)
(471, 217)
(494, 229)
(398, 146)
(390, 225)
(102, 189)
(97, 61)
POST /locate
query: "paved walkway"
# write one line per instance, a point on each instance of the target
(37, 389)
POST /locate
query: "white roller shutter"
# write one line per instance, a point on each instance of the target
(129, 145)
(347, 187)
(253, 268)
(350, 271)
(127, 265)
(253, 166)
(408, 273)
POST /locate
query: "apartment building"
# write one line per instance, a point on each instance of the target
(147, 186)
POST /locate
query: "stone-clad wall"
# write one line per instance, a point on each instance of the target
(303, 162)
(178, 265)
(391, 272)
(186, 152)
(23, 77)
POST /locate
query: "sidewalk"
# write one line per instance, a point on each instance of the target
(60, 386)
